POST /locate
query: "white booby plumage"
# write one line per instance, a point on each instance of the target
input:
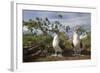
(77, 44)
(57, 48)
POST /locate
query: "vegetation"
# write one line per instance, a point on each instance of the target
(37, 46)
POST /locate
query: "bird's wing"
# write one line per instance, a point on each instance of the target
(59, 48)
(81, 45)
(72, 45)
(82, 36)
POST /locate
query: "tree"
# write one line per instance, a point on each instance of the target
(31, 25)
(44, 24)
(67, 28)
(80, 29)
(60, 16)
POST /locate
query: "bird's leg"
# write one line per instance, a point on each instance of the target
(79, 52)
(59, 54)
(55, 54)
(75, 52)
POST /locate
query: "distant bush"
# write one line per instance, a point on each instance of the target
(65, 43)
(87, 42)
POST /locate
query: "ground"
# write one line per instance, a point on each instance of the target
(67, 55)
(51, 58)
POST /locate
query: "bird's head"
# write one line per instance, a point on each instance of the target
(57, 32)
(76, 31)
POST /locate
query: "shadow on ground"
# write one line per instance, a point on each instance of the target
(28, 56)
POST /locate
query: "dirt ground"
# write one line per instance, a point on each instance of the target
(50, 58)
(67, 55)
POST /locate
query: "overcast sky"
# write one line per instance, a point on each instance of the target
(69, 18)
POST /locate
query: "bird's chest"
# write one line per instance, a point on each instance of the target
(76, 40)
(55, 41)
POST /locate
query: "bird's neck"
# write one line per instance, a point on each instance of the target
(76, 36)
(56, 37)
